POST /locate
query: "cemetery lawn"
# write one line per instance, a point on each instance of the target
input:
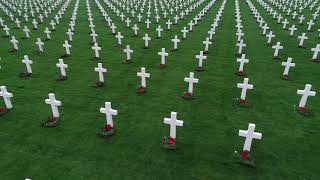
(289, 148)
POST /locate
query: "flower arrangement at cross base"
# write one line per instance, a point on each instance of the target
(106, 131)
(169, 143)
(51, 122)
(304, 111)
(3, 111)
(240, 73)
(200, 68)
(188, 96)
(245, 158)
(61, 78)
(141, 90)
(99, 84)
(24, 74)
(162, 66)
(243, 103)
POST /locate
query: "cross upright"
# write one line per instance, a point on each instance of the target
(175, 41)
(67, 47)
(96, 49)
(276, 48)
(163, 55)
(62, 66)
(184, 32)
(305, 94)
(288, 64)
(159, 30)
(47, 32)
(302, 38)
(100, 71)
(143, 76)
(28, 63)
(191, 80)
(244, 86)
(240, 46)
(128, 52)
(249, 135)
(146, 39)
(315, 51)
(54, 105)
(40, 44)
(201, 57)
(6, 96)
(242, 61)
(119, 37)
(26, 31)
(173, 122)
(109, 112)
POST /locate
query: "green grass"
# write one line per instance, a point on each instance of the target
(289, 148)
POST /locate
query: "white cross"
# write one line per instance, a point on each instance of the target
(143, 76)
(62, 67)
(190, 25)
(173, 122)
(100, 70)
(315, 51)
(146, 39)
(305, 94)
(26, 30)
(35, 24)
(96, 49)
(93, 35)
(119, 37)
(240, 46)
(109, 112)
(40, 44)
(70, 34)
(128, 51)
(18, 23)
(191, 80)
(148, 23)
(67, 47)
(285, 22)
(128, 21)
(14, 42)
(270, 36)
(47, 32)
(287, 66)
(53, 25)
(113, 28)
(54, 105)
(135, 29)
(168, 23)
(6, 97)
(242, 61)
(249, 135)
(292, 29)
(302, 38)
(159, 30)
(206, 43)
(310, 24)
(201, 57)
(244, 86)
(28, 63)
(276, 48)
(175, 41)
(7, 30)
(163, 55)
(184, 32)
(301, 18)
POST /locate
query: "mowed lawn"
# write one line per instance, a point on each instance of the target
(289, 148)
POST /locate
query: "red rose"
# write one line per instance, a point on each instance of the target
(303, 109)
(2, 110)
(187, 94)
(108, 127)
(242, 101)
(245, 154)
(171, 141)
(52, 119)
(141, 89)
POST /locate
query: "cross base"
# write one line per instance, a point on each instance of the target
(141, 90)
(158, 37)
(53, 30)
(51, 122)
(316, 60)
(106, 131)
(173, 50)
(243, 103)
(240, 73)
(301, 46)
(24, 74)
(285, 77)
(276, 57)
(99, 84)
(127, 62)
(61, 78)
(95, 58)
(35, 28)
(205, 52)
(188, 96)
(238, 55)
(13, 50)
(25, 37)
(200, 69)
(245, 158)
(47, 39)
(39, 52)
(119, 45)
(6, 36)
(269, 44)
(135, 35)
(169, 143)
(161, 66)
(145, 47)
(65, 55)
(304, 111)
(3, 111)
